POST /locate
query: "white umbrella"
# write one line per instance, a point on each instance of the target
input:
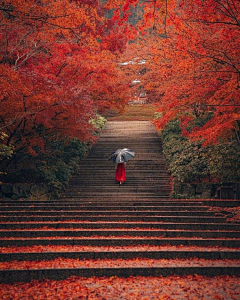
(121, 155)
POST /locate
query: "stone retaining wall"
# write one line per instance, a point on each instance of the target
(194, 191)
(23, 190)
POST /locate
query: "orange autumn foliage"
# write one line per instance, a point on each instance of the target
(59, 65)
(57, 69)
(191, 48)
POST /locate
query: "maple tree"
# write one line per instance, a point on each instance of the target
(58, 69)
(193, 64)
(61, 64)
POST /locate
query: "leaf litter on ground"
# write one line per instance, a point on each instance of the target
(191, 287)
(86, 248)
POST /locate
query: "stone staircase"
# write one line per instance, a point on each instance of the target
(99, 228)
(147, 176)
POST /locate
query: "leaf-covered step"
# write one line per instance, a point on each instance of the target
(131, 254)
(116, 241)
(172, 287)
(61, 269)
(117, 233)
(114, 263)
(115, 225)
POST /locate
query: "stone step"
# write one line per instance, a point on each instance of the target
(149, 171)
(117, 233)
(119, 254)
(107, 213)
(120, 241)
(10, 276)
(110, 196)
(141, 149)
(116, 197)
(90, 207)
(111, 185)
(140, 159)
(116, 194)
(146, 146)
(123, 188)
(131, 177)
(108, 182)
(121, 225)
(116, 218)
(123, 202)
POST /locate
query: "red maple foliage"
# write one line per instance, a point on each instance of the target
(193, 64)
(58, 69)
(59, 64)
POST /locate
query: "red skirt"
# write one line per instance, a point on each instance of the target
(120, 173)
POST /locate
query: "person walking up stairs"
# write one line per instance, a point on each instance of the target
(98, 228)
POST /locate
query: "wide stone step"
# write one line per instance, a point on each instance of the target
(116, 233)
(119, 190)
(221, 203)
(141, 148)
(121, 202)
(110, 196)
(154, 172)
(126, 225)
(131, 178)
(107, 213)
(67, 207)
(115, 194)
(108, 183)
(116, 218)
(122, 241)
(133, 175)
(139, 201)
(10, 276)
(119, 254)
(123, 188)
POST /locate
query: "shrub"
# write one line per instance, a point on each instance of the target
(55, 165)
(98, 123)
(6, 151)
(190, 162)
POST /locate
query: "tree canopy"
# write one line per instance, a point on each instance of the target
(61, 63)
(57, 69)
(194, 68)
